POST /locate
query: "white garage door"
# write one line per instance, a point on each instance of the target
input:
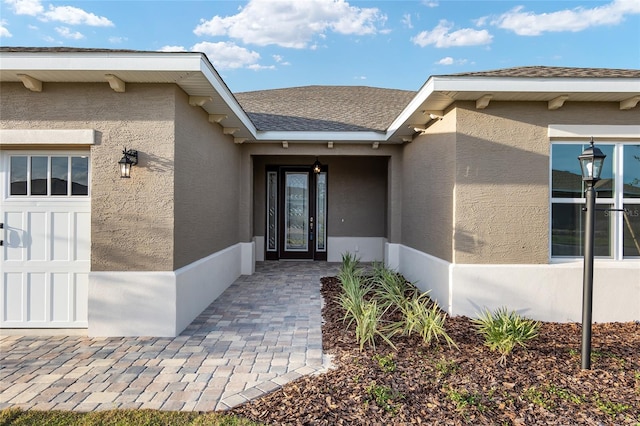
(46, 247)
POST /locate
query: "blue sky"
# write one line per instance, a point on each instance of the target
(264, 44)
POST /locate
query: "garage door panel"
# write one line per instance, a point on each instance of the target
(36, 297)
(61, 298)
(15, 235)
(36, 236)
(13, 297)
(82, 238)
(60, 236)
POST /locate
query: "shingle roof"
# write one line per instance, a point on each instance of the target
(324, 108)
(553, 72)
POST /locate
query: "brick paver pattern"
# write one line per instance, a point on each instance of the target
(262, 332)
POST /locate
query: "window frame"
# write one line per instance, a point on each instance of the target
(68, 154)
(618, 201)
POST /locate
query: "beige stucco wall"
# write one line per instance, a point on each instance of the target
(502, 177)
(428, 175)
(131, 219)
(206, 185)
(357, 187)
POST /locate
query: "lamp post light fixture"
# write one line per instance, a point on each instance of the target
(591, 161)
(130, 158)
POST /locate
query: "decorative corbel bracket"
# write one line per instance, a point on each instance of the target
(199, 100)
(217, 118)
(629, 103)
(483, 102)
(31, 83)
(558, 102)
(229, 130)
(115, 83)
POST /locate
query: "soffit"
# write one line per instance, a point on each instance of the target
(190, 71)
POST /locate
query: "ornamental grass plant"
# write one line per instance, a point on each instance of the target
(503, 330)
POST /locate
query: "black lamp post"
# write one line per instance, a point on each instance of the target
(591, 161)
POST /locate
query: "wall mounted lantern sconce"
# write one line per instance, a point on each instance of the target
(130, 158)
(317, 166)
(591, 161)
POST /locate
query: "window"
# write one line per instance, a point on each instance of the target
(617, 232)
(49, 175)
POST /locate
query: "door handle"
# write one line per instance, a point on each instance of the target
(2, 235)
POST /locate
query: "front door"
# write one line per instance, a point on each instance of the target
(296, 213)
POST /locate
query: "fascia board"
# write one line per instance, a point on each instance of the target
(536, 85)
(321, 136)
(100, 61)
(219, 86)
(412, 107)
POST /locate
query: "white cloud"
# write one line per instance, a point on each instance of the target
(4, 32)
(172, 49)
(441, 36)
(73, 16)
(448, 60)
(117, 40)
(406, 20)
(430, 3)
(26, 7)
(257, 67)
(292, 23)
(573, 20)
(279, 59)
(67, 33)
(227, 55)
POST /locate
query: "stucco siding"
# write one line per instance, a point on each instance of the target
(428, 187)
(206, 185)
(357, 195)
(131, 219)
(502, 177)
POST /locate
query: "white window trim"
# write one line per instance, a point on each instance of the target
(6, 166)
(13, 137)
(611, 134)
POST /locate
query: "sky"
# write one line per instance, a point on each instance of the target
(267, 44)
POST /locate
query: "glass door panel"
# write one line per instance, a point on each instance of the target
(296, 211)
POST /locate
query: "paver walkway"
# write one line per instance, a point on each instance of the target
(262, 332)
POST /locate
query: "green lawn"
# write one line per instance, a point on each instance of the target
(15, 416)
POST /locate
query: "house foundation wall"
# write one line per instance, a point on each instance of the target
(161, 304)
(551, 292)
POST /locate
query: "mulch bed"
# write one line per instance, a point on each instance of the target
(418, 384)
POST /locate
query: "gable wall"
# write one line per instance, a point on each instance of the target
(131, 219)
(502, 177)
(207, 175)
(428, 176)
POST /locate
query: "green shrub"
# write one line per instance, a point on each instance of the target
(504, 330)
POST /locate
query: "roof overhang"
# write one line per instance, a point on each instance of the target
(197, 77)
(440, 92)
(191, 71)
